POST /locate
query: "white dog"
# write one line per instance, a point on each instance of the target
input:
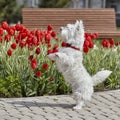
(69, 62)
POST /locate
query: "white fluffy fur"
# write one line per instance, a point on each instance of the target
(69, 62)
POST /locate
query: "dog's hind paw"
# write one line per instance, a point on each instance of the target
(77, 107)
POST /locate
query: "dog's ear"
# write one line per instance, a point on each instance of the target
(77, 26)
(80, 22)
(77, 23)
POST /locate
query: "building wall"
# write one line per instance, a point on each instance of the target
(29, 3)
(95, 3)
(118, 6)
(77, 3)
(88, 3)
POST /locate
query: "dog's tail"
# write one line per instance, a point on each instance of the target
(100, 76)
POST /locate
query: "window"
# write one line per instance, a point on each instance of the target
(35, 3)
(112, 4)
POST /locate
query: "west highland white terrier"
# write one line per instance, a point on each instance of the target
(69, 62)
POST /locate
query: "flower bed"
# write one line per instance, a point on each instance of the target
(25, 69)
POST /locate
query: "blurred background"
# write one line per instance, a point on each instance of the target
(10, 10)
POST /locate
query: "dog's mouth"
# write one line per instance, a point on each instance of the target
(68, 45)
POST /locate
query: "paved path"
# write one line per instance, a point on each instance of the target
(104, 106)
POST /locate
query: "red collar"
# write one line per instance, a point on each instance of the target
(69, 45)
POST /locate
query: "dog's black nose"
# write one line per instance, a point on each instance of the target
(61, 28)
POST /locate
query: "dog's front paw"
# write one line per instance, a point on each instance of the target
(57, 55)
(53, 56)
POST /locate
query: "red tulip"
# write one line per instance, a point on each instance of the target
(1, 31)
(4, 25)
(55, 47)
(29, 40)
(49, 27)
(13, 46)
(45, 66)
(31, 57)
(95, 35)
(51, 79)
(86, 43)
(7, 38)
(49, 52)
(55, 50)
(111, 41)
(38, 73)
(11, 31)
(34, 40)
(85, 49)
(105, 43)
(37, 50)
(22, 44)
(23, 35)
(118, 43)
(48, 45)
(19, 27)
(47, 38)
(33, 65)
(53, 34)
(9, 52)
(91, 45)
(1, 39)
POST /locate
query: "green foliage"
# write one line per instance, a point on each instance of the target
(108, 58)
(10, 11)
(54, 3)
(10, 86)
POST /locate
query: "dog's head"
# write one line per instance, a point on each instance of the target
(73, 34)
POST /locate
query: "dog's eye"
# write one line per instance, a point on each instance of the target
(77, 28)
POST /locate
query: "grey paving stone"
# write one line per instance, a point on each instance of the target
(104, 106)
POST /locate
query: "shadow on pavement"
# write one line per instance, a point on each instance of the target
(43, 104)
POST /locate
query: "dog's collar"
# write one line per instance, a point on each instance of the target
(69, 45)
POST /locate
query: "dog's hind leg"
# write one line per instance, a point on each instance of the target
(79, 105)
(79, 101)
